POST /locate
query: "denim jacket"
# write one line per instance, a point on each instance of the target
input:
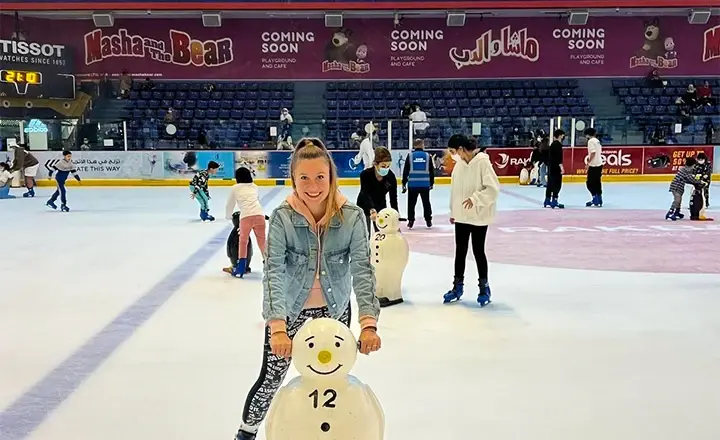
(291, 263)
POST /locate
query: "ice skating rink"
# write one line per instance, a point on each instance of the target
(116, 322)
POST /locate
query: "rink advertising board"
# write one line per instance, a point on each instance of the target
(32, 70)
(507, 162)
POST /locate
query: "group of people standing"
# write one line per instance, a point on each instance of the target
(548, 157)
(313, 232)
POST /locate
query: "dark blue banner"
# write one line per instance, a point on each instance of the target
(278, 164)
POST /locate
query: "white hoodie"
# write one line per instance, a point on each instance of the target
(245, 196)
(478, 182)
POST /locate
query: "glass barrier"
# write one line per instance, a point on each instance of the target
(231, 134)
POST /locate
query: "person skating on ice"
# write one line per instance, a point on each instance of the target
(474, 192)
(64, 168)
(684, 176)
(375, 183)
(320, 237)
(594, 168)
(29, 165)
(555, 171)
(703, 168)
(200, 192)
(418, 179)
(245, 195)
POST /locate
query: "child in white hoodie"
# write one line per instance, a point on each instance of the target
(245, 195)
(473, 197)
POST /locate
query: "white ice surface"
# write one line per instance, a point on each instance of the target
(560, 354)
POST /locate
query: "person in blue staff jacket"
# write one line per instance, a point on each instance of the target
(64, 168)
(418, 179)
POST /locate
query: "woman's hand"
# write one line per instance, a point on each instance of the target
(369, 341)
(373, 215)
(452, 221)
(468, 203)
(281, 344)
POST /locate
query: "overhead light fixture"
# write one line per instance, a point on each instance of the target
(578, 18)
(211, 19)
(333, 19)
(699, 17)
(103, 19)
(455, 19)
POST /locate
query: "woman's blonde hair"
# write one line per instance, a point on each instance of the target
(313, 148)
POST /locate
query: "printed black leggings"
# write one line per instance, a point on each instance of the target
(273, 371)
(477, 234)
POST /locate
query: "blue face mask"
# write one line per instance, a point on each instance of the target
(383, 171)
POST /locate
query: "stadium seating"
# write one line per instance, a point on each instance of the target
(451, 105)
(233, 114)
(648, 107)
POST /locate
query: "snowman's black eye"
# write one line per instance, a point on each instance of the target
(337, 344)
(311, 345)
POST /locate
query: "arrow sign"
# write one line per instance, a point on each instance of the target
(50, 164)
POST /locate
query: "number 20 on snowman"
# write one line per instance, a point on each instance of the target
(325, 402)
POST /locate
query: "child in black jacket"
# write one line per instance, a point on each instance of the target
(703, 169)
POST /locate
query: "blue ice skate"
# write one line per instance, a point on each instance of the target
(554, 204)
(51, 204)
(64, 208)
(547, 203)
(30, 193)
(484, 296)
(679, 214)
(240, 268)
(671, 216)
(596, 201)
(455, 293)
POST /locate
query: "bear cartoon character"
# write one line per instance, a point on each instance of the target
(340, 48)
(670, 52)
(654, 46)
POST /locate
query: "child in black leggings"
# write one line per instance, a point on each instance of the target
(473, 198)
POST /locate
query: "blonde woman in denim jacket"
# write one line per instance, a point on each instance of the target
(317, 253)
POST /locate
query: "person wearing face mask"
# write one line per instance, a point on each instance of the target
(375, 183)
(473, 200)
(703, 168)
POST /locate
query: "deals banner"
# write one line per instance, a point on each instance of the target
(667, 159)
(616, 160)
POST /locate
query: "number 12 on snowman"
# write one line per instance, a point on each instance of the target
(325, 402)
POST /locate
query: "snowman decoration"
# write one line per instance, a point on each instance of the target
(389, 252)
(325, 402)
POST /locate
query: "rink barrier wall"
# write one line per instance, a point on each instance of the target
(342, 181)
(271, 168)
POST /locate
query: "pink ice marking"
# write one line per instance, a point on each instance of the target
(592, 238)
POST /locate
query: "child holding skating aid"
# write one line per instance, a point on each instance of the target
(64, 168)
(232, 246)
(5, 179)
(244, 194)
(703, 168)
(199, 189)
(684, 176)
